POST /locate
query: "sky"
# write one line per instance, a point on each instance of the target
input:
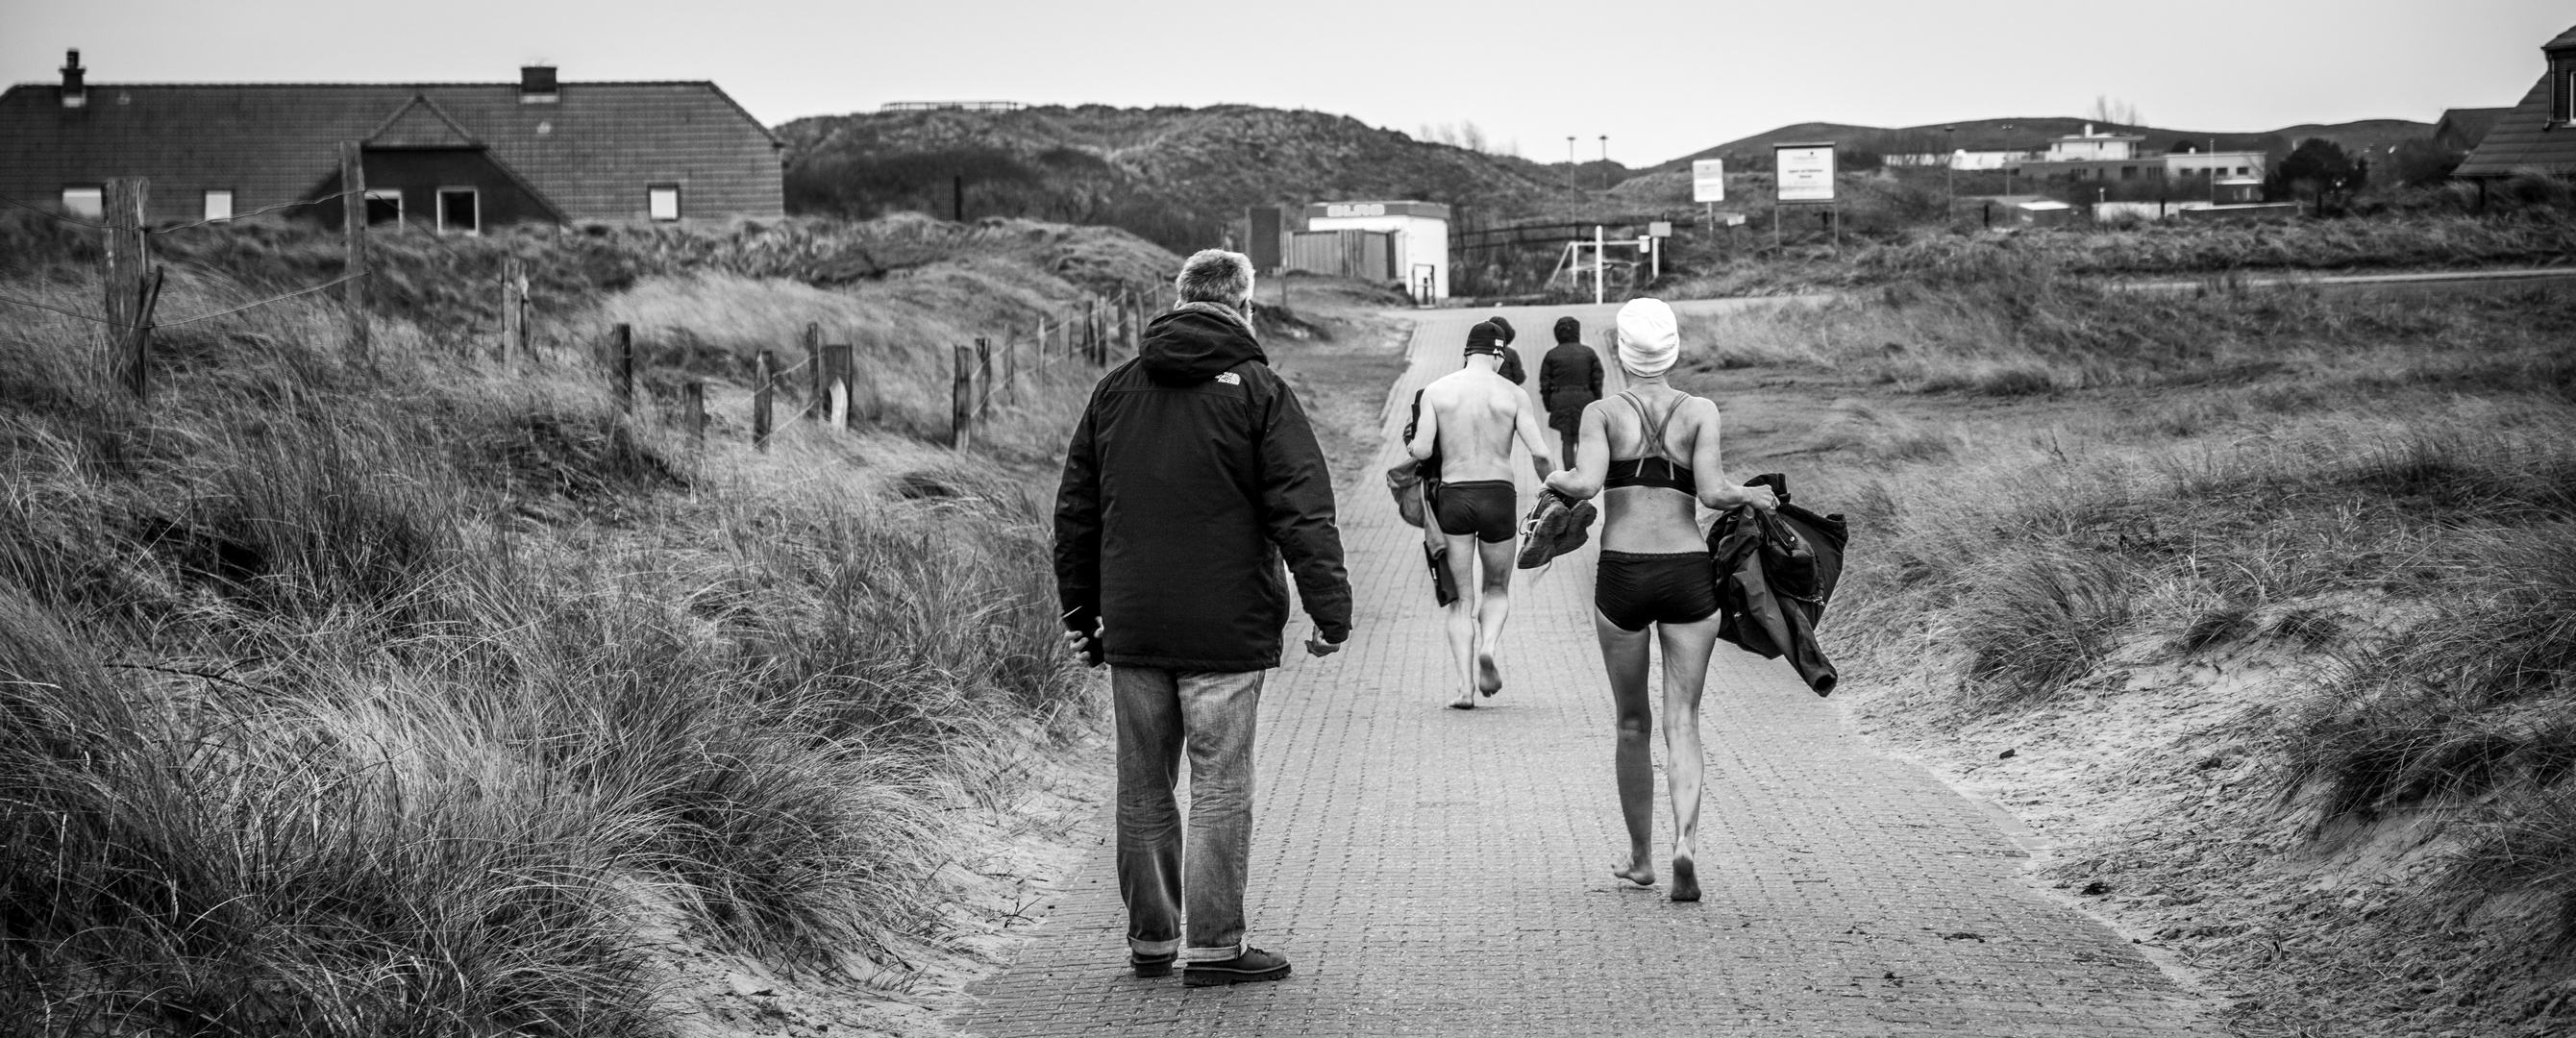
(1659, 78)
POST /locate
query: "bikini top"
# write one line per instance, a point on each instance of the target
(1632, 472)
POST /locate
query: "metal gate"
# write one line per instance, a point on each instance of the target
(1366, 255)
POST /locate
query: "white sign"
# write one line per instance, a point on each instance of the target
(1659, 229)
(1806, 172)
(1730, 219)
(1355, 209)
(1708, 180)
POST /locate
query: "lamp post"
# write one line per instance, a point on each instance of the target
(1569, 149)
(1605, 160)
(1950, 164)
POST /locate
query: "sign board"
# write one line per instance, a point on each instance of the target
(1708, 180)
(1341, 209)
(1805, 171)
(1730, 219)
(1659, 229)
(1263, 244)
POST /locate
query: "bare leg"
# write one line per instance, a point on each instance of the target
(1497, 607)
(1462, 619)
(1624, 654)
(1686, 650)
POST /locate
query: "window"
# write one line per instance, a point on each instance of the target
(458, 211)
(663, 201)
(219, 204)
(2566, 99)
(85, 202)
(384, 205)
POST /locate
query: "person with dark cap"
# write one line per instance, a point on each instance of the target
(1469, 419)
(1569, 380)
(1193, 487)
(1511, 368)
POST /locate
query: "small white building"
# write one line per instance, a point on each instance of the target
(2221, 164)
(2094, 147)
(1964, 159)
(1419, 252)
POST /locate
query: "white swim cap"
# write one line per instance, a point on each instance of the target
(1649, 338)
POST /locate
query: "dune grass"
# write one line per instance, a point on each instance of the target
(2052, 485)
(355, 702)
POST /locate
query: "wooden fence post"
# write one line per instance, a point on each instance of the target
(122, 283)
(816, 385)
(353, 227)
(138, 355)
(514, 312)
(961, 399)
(983, 377)
(626, 368)
(838, 391)
(764, 375)
(693, 411)
(1091, 329)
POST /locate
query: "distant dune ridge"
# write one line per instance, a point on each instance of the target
(1181, 177)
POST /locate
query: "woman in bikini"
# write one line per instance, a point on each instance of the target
(1651, 453)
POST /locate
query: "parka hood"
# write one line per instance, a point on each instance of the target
(1195, 342)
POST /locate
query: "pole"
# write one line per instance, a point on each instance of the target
(1598, 267)
(353, 227)
(693, 411)
(1011, 367)
(815, 385)
(957, 200)
(138, 368)
(626, 368)
(122, 282)
(764, 373)
(525, 338)
(961, 399)
(512, 313)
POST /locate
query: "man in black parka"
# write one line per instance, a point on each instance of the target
(1569, 380)
(1192, 475)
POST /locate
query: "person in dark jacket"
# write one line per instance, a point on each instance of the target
(1192, 473)
(1655, 572)
(1569, 380)
(1511, 368)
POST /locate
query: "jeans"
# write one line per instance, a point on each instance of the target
(1568, 438)
(1159, 712)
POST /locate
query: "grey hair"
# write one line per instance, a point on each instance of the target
(1215, 276)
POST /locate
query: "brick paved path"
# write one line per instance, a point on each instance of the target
(1438, 872)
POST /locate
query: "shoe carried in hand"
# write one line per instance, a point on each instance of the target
(1556, 525)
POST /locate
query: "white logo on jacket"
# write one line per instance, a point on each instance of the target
(1229, 378)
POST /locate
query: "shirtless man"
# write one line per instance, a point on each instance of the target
(1469, 418)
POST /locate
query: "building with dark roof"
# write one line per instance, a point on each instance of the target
(445, 156)
(2538, 135)
(2462, 128)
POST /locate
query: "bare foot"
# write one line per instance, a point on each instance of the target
(1489, 679)
(1685, 880)
(1635, 871)
(1464, 702)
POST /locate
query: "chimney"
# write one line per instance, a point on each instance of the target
(75, 95)
(2088, 129)
(537, 85)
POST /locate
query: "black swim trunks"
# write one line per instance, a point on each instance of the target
(1484, 507)
(1634, 590)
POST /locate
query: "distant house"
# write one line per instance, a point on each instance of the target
(449, 157)
(2463, 128)
(2095, 156)
(2540, 133)
(2192, 161)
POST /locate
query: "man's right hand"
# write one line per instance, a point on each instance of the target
(1075, 642)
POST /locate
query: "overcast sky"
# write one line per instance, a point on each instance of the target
(1662, 78)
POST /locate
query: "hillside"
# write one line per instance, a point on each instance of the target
(2035, 131)
(1176, 176)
